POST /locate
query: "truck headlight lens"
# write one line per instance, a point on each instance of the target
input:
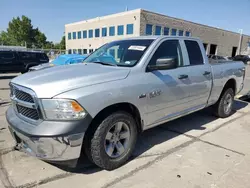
(62, 109)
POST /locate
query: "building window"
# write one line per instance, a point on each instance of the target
(69, 51)
(112, 31)
(166, 31)
(130, 29)
(97, 32)
(91, 33)
(180, 32)
(157, 30)
(69, 36)
(120, 29)
(90, 50)
(74, 35)
(79, 51)
(79, 34)
(104, 32)
(74, 51)
(187, 34)
(173, 32)
(85, 51)
(149, 29)
(84, 34)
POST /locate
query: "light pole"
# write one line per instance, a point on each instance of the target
(240, 41)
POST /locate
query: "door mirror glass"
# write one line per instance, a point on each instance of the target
(164, 63)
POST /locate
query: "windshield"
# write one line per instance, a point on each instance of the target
(120, 53)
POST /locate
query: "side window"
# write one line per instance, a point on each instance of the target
(168, 49)
(194, 52)
(28, 56)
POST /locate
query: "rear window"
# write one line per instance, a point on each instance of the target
(194, 52)
(42, 56)
(7, 55)
(32, 56)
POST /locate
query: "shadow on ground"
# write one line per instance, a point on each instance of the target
(6, 77)
(160, 134)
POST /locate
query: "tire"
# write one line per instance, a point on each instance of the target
(220, 108)
(98, 147)
(26, 70)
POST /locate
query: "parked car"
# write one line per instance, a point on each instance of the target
(20, 61)
(244, 58)
(101, 106)
(61, 60)
(216, 57)
(228, 58)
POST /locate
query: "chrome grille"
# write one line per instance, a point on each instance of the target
(27, 112)
(24, 103)
(21, 95)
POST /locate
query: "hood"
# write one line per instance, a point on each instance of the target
(50, 82)
(41, 66)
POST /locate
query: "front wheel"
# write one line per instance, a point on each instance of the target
(223, 108)
(113, 141)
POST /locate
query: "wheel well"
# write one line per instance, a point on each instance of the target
(127, 107)
(230, 84)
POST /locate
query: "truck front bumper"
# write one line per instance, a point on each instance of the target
(53, 148)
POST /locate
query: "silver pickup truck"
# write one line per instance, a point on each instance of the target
(125, 87)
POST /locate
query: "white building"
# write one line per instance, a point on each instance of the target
(88, 35)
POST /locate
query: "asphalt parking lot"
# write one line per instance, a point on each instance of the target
(195, 151)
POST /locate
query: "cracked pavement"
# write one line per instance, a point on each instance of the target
(198, 150)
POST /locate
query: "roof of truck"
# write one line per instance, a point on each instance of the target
(153, 37)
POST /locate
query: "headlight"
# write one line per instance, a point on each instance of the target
(62, 109)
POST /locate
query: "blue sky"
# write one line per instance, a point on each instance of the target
(50, 16)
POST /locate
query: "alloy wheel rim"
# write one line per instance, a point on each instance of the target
(228, 101)
(117, 139)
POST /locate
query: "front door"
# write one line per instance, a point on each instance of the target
(167, 89)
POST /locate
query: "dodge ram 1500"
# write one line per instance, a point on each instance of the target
(122, 89)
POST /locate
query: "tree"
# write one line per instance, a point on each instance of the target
(40, 38)
(49, 45)
(4, 40)
(62, 43)
(21, 32)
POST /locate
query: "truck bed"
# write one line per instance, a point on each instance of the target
(222, 73)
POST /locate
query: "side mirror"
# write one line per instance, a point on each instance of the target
(163, 63)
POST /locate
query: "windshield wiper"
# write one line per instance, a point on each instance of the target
(104, 63)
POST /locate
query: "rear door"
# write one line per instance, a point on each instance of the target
(28, 59)
(8, 61)
(42, 58)
(200, 75)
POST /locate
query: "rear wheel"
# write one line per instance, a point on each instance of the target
(113, 142)
(223, 108)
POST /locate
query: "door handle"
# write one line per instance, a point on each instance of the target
(183, 76)
(206, 73)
